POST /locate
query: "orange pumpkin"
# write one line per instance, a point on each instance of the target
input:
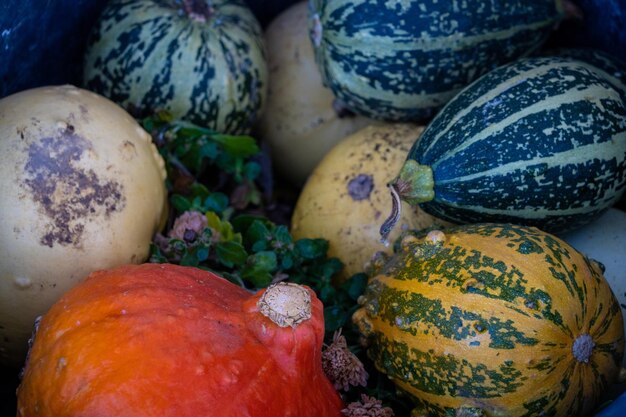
(165, 340)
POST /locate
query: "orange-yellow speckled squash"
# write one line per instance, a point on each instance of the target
(493, 320)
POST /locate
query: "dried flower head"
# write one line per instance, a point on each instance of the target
(342, 366)
(188, 226)
(367, 407)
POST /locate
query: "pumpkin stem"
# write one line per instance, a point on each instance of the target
(583, 347)
(415, 184)
(394, 216)
(286, 304)
(198, 10)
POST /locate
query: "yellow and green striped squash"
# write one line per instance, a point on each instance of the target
(493, 320)
(202, 61)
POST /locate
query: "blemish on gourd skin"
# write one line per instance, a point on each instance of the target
(128, 150)
(23, 283)
(360, 187)
(67, 194)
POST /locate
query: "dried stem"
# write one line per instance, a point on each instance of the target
(198, 10)
(392, 220)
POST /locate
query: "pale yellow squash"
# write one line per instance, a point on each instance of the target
(82, 189)
(301, 121)
(345, 200)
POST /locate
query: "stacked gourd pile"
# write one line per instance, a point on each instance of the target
(537, 142)
(489, 153)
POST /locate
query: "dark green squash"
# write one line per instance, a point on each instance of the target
(540, 142)
(402, 61)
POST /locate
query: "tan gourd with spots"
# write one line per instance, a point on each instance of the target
(345, 200)
(82, 189)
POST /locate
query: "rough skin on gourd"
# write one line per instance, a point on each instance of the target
(496, 319)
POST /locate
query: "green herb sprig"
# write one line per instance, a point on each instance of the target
(203, 165)
(250, 250)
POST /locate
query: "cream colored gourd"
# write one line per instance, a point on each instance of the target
(345, 200)
(300, 122)
(82, 189)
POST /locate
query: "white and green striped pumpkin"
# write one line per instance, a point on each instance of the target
(402, 60)
(201, 60)
(493, 320)
(540, 142)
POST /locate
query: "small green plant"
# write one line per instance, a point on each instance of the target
(203, 166)
(209, 230)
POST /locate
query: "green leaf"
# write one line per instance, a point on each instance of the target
(355, 285)
(202, 254)
(180, 203)
(260, 278)
(223, 227)
(243, 222)
(327, 293)
(216, 202)
(199, 191)
(231, 253)
(312, 248)
(281, 234)
(189, 259)
(156, 256)
(238, 146)
(265, 260)
(257, 236)
(214, 221)
(148, 124)
(209, 150)
(287, 262)
(251, 170)
(334, 318)
(330, 267)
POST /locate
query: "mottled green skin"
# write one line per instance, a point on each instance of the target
(402, 60)
(539, 142)
(150, 55)
(423, 324)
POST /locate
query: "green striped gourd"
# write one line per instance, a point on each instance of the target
(540, 142)
(201, 61)
(493, 320)
(607, 64)
(402, 60)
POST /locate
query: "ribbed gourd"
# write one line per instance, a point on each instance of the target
(403, 60)
(540, 142)
(606, 64)
(202, 61)
(493, 320)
